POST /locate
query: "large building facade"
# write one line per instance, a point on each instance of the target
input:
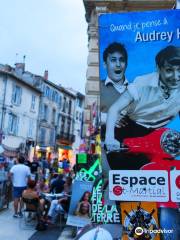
(19, 111)
(37, 117)
(93, 9)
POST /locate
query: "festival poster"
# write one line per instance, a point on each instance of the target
(139, 55)
(88, 167)
(79, 213)
(102, 213)
(142, 215)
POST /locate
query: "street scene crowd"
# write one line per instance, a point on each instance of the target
(40, 187)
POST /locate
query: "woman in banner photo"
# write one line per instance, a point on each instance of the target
(84, 206)
(150, 102)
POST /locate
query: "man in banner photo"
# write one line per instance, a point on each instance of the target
(115, 62)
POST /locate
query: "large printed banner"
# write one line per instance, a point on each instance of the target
(139, 56)
(140, 87)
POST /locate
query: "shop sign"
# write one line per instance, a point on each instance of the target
(138, 185)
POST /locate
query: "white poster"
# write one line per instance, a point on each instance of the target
(134, 185)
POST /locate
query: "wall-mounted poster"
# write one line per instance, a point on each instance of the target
(88, 167)
(139, 56)
(102, 213)
(80, 206)
(140, 76)
(137, 216)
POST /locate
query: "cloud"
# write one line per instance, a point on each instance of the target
(51, 33)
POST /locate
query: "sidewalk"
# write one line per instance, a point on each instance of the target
(10, 229)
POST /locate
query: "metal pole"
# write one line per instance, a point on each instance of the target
(3, 104)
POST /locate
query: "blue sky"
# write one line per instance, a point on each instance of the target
(53, 36)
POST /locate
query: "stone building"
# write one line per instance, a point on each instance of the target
(93, 9)
(19, 110)
(78, 120)
(37, 116)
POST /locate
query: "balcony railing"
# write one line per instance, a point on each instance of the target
(62, 136)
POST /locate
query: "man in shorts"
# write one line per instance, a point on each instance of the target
(19, 174)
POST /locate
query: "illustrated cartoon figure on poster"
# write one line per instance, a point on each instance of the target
(139, 218)
(84, 206)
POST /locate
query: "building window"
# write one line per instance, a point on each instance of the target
(42, 135)
(52, 137)
(31, 127)
(33, 102)
(79, 103)
(58, 120)
(77, 115)
(70, 106)
(80, 117)
(69, 126)
(53, 116)
(13, 124)
(47, 92)
(62, 124)
(64, 104)
(55, 96)
(59, 101)
(78, 133)
(45, 112)
(16, 95)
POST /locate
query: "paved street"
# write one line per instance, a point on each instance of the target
(10, 229)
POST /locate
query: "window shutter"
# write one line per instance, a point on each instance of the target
(10, 123)
(13, 93)
(17, 125)
(20, 95)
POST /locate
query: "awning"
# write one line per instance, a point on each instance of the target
(10, 151)
(65, 147)
(43, 148)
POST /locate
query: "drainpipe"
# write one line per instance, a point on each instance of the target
(3, 105)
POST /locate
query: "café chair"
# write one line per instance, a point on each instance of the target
(30, 213)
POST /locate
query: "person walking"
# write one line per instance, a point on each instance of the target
(19, 174)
